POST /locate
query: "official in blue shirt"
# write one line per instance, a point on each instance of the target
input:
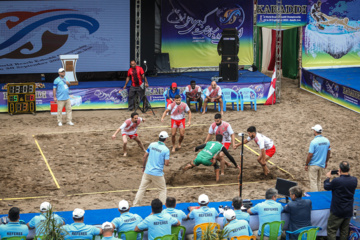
(240, 215)
(79, 230)
(176, 213)
(268, 211)
(127, 221)
(108, 230)
(62, 98)
(157, 155)
(13, 228)
(236, 227)
(158, 224)
(317, 159)
(36, 221)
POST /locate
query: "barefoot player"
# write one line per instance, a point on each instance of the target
(265, 144)
(128, 129)
(207, 156)
(178, 110)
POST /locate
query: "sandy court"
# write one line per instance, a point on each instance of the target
(85, 160)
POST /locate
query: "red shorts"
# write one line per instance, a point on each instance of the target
(227, 145)
(178, 123)
(270, 152)
(131, 136)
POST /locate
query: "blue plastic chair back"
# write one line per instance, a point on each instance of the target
(247, 95)
(296, 234)
(164, 94)
(230, 96)
(204, 94)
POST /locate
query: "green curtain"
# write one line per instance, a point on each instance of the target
(290, 53)
(258, 52)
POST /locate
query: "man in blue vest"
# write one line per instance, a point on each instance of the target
(13, 228)
(236, 227)
(108, 230)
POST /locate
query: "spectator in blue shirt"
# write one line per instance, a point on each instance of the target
(171, 93)
(13, 228)
(268, 211)
(317, 159)
(157, 155)
(36, 221)
(108, 230)
(158, 224)
(127, 221)
(236, 227)
(240, 215)
(176, 213)
(79, 230)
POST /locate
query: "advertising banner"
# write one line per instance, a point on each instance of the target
(340, 94)
(293, 13)
(332, 37)
(34, 33)
(191, 30)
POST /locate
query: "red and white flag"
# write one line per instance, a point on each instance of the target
(271, 99)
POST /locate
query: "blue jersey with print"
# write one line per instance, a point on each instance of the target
(158, 153)
(176, 213)
(204, 215)
(62, 89)
(238, 228)
(110, 238)
(240, 215)
(80, 231)
(35, 222)
(13, 229)
(268, 211)
(127, 222)
(158, 225)
(319, 147)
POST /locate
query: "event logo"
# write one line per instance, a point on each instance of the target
(231, 17)
(32, 34)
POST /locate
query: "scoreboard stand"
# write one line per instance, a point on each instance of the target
(21, 98)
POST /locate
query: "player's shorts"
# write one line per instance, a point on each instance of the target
(270, 152)
(178, 123)
(131, 136)
(200, 160)
(227, 145)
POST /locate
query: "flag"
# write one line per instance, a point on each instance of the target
(271, 99)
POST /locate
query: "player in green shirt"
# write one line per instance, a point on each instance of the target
(207, 156)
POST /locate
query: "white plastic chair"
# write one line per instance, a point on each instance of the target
(247, 95)
(228, 95)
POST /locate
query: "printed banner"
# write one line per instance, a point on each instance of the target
(110, 98)
(332, 37)
(191, 37)
(33, 34)
(293, 13)
(342, 95)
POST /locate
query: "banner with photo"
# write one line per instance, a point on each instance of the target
(293, 13)
(332, 37)
(191, 37)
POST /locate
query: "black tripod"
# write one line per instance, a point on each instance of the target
(146, 104)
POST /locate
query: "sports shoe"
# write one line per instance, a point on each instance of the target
(70, 123)
(59, 124)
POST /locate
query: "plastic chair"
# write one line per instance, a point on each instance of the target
(167, 237)
(164, 94)
(274, 229)
(247, 95)
(243, 238)
(175, 230)
(304, 233)
(227, 94)
(196, 103)
(204, 93)
(203, 227)
(15, 238)
(130, 235)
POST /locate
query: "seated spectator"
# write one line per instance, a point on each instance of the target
(108, 230)
(240, 215)
(127, 221)
(236, 227)
(299, 210)
(78, 229)
(213, 94)
(36, 221)
(176, 213)
(13, 228)
(193, 93)
(171, 93)
(158, 224)
(268, 211)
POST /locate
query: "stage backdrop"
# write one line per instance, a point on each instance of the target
(293, 13)
(192, 29)
(332, 37)
(34, 33)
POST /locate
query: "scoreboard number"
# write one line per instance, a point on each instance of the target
(21, 98)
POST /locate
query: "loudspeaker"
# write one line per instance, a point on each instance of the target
(229, 58)
(229, 42)
(162, 62)
(229, 72)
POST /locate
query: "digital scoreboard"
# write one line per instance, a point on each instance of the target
(21, 98)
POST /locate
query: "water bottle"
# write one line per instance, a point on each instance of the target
(43, 77)
(354, 213)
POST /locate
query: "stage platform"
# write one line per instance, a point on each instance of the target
(339, 85)
(104, 94)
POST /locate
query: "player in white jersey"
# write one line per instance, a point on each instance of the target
(177, 110)
(128, 129)
(265, 144)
